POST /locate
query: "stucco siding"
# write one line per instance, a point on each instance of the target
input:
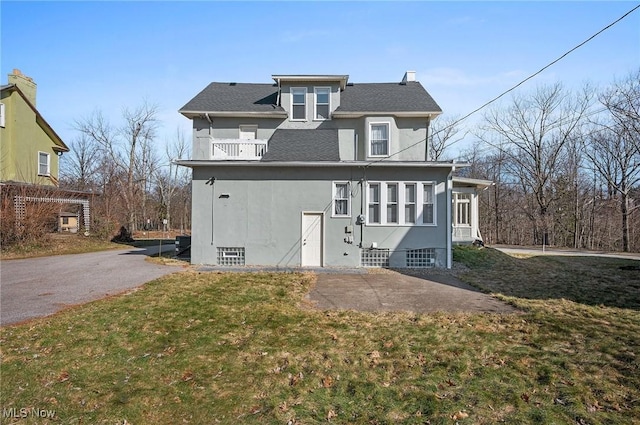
(260, 209)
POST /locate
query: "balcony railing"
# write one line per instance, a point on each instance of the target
(238, 149)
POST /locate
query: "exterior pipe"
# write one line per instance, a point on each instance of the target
(449, 228)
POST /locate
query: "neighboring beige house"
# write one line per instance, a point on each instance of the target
(30, 151)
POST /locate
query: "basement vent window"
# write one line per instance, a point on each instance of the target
(230, 256)
(421, 258)
(374, 258)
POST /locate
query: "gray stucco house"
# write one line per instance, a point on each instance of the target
(315, 171)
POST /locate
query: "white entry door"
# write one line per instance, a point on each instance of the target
(311, 240)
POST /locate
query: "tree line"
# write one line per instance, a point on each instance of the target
(135, 184)
(565, 166)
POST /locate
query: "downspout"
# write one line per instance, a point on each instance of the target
(210, 123)
(355, 146)
(212, 182)
(449, 189)
(278, 96)
(426, 141)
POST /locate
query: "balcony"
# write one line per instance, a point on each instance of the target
(238, 149)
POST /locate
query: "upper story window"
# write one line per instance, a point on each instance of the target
(379, 139)
(322, 103)
(1, 114)
(44, 164)
(299, 104)
(341, 199)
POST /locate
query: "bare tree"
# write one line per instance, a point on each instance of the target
(445, 131)
(125, 147)
(614, 147)
(80, 167)
(171, 178)
(535, 131)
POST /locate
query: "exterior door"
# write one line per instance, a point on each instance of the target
(311, 240)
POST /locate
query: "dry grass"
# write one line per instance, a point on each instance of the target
(57, 244)
(207, 348)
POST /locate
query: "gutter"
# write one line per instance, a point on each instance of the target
(380, 164)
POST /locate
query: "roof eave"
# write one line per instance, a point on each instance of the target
(221, 114)
(402, 114)
(343, 79)
(401, 164)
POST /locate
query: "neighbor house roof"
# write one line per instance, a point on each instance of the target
(303, 145)
(60, 146)
(219, 99)
(408, 97)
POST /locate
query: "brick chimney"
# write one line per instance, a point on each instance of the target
(25, 84)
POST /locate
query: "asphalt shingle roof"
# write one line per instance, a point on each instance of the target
(387, 97)
(235, 97)
(366, 97)
(303, 145)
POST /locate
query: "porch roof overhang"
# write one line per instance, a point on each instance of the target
(241, 114)
(468, 182)
(191, 163)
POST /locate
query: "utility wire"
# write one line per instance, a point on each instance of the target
(514, 87)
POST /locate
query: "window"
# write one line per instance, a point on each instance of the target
(374, 203)
(341, 199)
(65, 220)
(379, 139)
(299, 104)
(230, 256)
(410, 203)
(392, 203)
(428, 216)
(462, 209)
(1, 114)
(43, 164)
(322, 105)
(421, 258)
(401, 203)
(374, 257)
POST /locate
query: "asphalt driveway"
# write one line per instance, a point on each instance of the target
(394, 291)
(37, 287)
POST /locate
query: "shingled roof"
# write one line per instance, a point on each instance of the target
(387, 97)
(303, 145)
(235, 97)
(221, 98)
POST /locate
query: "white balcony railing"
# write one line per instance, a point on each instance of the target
(238, 149)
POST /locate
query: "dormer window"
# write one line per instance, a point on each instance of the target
(299, 104)
(379, 139)
(322, 103)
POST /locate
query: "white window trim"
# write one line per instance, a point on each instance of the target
(397, 204)
(333, 199)
(388, 124)
(2, 115)
(419, 203)
(420, 217)
(315, 104)
(48, 173)
(305, 103)
(457, 201)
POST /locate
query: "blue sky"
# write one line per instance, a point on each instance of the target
(88, 56)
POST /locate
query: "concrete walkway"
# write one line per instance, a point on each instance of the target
(394, 291)
(515, 250)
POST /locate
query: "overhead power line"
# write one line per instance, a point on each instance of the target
(458, 121)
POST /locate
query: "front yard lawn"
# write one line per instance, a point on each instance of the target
(205, 348)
